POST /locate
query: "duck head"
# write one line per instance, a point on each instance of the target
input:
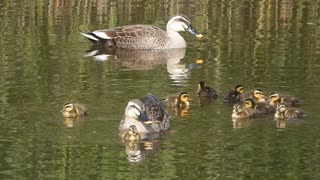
(181, 23)
(135, 110)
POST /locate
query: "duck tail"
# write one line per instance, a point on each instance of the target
(92, 37)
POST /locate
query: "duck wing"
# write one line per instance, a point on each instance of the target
(130, 37)
(156, 112)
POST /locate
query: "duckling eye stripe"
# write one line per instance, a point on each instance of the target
(134, 105)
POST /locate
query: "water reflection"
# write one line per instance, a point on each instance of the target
(240, 123)
(147, 60)
(70, 122)
(137, 150)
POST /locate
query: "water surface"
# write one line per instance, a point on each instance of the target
(273, 45)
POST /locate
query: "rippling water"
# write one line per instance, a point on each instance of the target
(271, 45)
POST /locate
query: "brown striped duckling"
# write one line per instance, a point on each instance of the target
(182, 100)
(131, 134)
(257, 95)
(71, 110)
(275, 99)
(206, 91)
(232, 96)
(241, 112)
(285, 112)
(258, 108)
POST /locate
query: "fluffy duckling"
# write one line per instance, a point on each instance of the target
(275, 99)
(71, 110)
(257, 95)
(131, 134)
(285, 112)
(182, 100)
(232, 96)
(206, 91)
(259, 108)
(241, 112)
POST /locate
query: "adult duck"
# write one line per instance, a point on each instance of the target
(145, 36)
(146, 114)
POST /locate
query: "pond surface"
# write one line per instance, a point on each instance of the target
(272, 45)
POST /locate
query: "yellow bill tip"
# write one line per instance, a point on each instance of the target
(199, 61)
(199, 36)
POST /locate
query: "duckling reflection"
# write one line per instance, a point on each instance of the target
(240, 122)
(138, 150)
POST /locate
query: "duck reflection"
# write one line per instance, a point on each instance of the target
(146, 60)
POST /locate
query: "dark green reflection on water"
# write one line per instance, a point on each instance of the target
(273, 45)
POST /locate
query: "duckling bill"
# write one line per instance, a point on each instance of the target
(71, 110)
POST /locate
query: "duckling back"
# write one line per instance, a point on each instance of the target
(206, 91)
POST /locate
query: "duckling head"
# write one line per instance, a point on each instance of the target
(237, 109)
(133, 130)
(249, 103)
(258, 93)
(184, 98)
(201, 85)
(239, 89)
(181, 23)
(136, 110)
(67, 107)
(274, 96)
(281, 108)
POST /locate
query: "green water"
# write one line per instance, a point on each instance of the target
(273, 45)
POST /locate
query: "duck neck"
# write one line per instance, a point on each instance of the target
(176, 40)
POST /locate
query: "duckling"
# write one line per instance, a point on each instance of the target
(182, 100)
(285, 112)
(258, 108)
(232, 96)
(131, 134)
(206, 91)
(240, 112)
(71, 110)
(257, 95)
(275, 99)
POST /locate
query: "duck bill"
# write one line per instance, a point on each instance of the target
(191, 30)
(144, 118)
